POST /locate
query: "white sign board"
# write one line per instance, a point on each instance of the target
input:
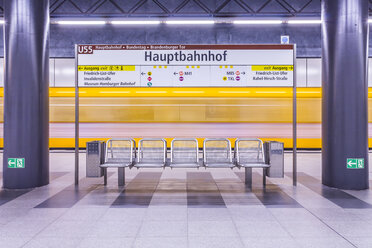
(185, 65)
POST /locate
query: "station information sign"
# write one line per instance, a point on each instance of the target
(185, 65)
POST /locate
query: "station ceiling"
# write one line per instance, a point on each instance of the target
(184, 8)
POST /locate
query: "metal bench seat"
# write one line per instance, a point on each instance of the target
(152, 153)
(108, 165)
(249, 154)
(217, 153)
(249, 165)
(184, 153)
(149, 165)
(219, 165)
(119, 154)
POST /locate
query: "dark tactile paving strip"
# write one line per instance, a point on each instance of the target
(271, 196)
(9, 195)
(57, 174)
(69, 196)
(337, 196)
(139, 191)
(170, 192)
(202, 190)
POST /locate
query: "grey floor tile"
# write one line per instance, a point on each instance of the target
(83, 214)
(261, 229)
(215, 242)
(10, 214)
(53, 243)
(168, 213)
(363, 214)
(334, 214)
(165, 242)
(352, 228)
(106, 242)
(293, 214)
(127, 214)
(212, 229)
(251, 213)
(365, 242)
(208, 214)
(324, 242)
(68, 229)
(163, 229)
(20, 228)
(114, 229)
(12, 242)
(313, 229)
(44, 214)
(270, 242)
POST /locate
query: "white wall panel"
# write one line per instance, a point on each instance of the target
(314, 75)
(65, 73)
(51, 72)
(1, 72)
(301, 72)
(370, 72)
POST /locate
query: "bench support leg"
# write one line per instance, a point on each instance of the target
(121, 176)
(264, 177)
(104, 176)
(248, 177)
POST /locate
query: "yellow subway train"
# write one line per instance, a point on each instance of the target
(186, 112)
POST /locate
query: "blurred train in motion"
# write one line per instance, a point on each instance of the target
(185, 112)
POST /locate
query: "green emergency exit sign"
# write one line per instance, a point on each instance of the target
(16, 163)
(355, 163)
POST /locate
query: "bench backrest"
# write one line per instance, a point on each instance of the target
(249, 151)
(217, 150)
(152, 150)
(184, 151)
(120, 151)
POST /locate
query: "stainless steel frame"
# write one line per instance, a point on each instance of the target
(132, 146)
(247, 139)
(247, 167)
(229, 154)
(120, 165)
(185, 165)
(76, 118)
(294, 122)
(139, 164)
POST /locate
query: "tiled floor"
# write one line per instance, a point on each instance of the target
(185, 208)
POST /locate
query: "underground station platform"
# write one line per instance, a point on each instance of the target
(188, 123)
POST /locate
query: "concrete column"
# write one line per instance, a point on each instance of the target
(345, 94)
(26, 96)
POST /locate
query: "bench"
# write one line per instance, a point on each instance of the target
(249, 154)
(119, 153)
(217, 153)
(152, 153)
(184, 153)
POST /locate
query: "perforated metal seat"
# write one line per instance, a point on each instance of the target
(119, 154)
(250, 153)
(217, 153)
(184, 153)
(152, 153)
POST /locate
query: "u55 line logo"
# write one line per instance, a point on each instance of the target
(85, 49)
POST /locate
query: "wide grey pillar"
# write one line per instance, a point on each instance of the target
(345, 93)
(26, 96)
